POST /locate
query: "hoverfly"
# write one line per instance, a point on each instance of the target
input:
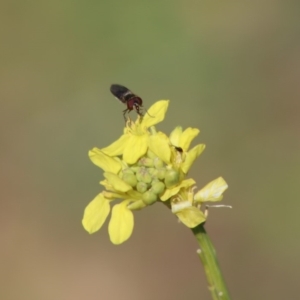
(129, 98)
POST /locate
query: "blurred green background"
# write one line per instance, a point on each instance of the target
(230, 68)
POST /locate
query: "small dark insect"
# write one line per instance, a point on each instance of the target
(179, 149)
(127, 97)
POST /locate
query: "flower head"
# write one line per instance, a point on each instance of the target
(133, 144)
(144, 167)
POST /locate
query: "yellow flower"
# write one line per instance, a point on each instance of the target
(179, 158)
(182, 140)
(183, 207)
(121, 223)
(133, 144)
(186, 205)
(143, 167)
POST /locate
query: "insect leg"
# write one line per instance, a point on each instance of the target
(124, 113)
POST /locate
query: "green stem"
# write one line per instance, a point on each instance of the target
(209, 260)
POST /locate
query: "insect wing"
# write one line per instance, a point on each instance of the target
(120, 92)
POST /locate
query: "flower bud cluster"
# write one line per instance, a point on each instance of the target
(150, 176)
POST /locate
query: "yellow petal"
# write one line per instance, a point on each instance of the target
(212, 191)
(169, 193)
(173, 191)
(191, 156)
(159, 144)
(105, 162)
(121, 223)
(187, 136)
(136, 147)
(117, 147)
(156, 113)
(187, 182)
(106, 184)
(175, 136)
(190, 216)
(117, 183)
(95, 214)
(112, 195)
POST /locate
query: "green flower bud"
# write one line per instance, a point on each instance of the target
(171, 178)
(136, 205)
(149, 197)
(151, 171)
(128, 171)
(158, 163)
(143, 175)
(147, 178)
(130, 178)
(145, 161)
(140, 173)
(154, 180)
(142, 187)
(161, 173)
(158, 187)
(135, 169)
